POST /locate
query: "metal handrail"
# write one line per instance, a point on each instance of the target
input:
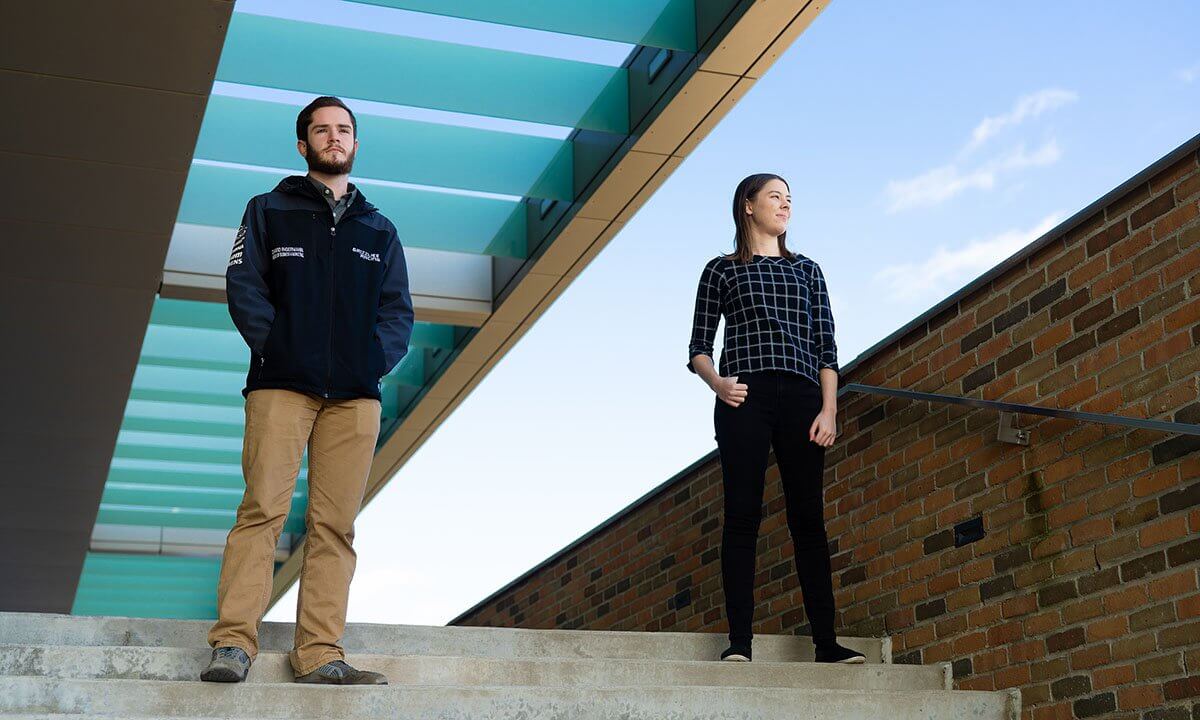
(1007, 407)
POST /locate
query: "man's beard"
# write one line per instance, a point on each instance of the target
(329, 167)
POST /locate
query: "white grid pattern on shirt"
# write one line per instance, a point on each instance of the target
(777, 316)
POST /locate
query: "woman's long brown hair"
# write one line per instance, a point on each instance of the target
(746, 190)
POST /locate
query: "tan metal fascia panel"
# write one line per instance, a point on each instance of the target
(453, 380)
(486, 340)
(649, 189)
(590, 253)
(565, 249)
(798, 25)
(523, 298)
(701, 92)
(630, 174)
(754, 33)
(706, 125)
(424, 414)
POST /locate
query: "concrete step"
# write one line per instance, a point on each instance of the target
(184, 664)
(151, 699)
(46, 629)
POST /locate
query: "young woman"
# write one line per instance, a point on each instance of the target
(777, 387)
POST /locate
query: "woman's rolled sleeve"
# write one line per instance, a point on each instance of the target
(707, 313)
(822, 319)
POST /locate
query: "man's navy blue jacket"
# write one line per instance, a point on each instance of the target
(324, 306)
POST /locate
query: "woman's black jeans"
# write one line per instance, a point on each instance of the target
(778, 412)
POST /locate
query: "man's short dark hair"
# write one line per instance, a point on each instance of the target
(304, 119)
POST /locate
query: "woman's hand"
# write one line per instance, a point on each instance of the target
(731, 392)
(824, 428)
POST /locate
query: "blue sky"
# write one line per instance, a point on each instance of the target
(924, 143)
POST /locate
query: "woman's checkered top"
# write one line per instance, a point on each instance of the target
(777, 316)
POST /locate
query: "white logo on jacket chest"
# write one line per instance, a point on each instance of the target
(283, 252)
(372, 257)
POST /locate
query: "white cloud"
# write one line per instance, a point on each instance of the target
(949, 269)
(942, 183)
(945, 181)
(1189, 74)
(1029, 106)
(935, 186)
(1047, 154)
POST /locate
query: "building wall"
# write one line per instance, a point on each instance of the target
(1083, 592)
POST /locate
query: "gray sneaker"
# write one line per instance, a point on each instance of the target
(228, 664)
(339, 672)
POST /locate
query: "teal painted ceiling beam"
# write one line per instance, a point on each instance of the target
(162, 361)
(177, 411)
(207, 349)
(433, 336)
(182, 480)
(169, 496)
(186, 517)
(183, 427)
(175, 454)
(223, 383)
(182, 468)
(187, 397)
(166, 611)
(169, 312)
(151, 565)
(199, 345)
(166, 595)
(99, 585)
(147, 586)
(161, 448)
(257, 132)
(401, 70)
(409, 373)
(657, 23)
(217, 196)
(191, 314)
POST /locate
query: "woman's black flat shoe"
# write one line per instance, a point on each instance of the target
(834, 653)
(736, 654)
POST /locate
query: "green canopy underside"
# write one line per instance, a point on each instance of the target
(255, 132)
(217, 196)
(177, 461)
(265, 51)
(148, 586)
(450, 186)
(657, 23)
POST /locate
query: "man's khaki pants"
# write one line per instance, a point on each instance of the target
(341, 436)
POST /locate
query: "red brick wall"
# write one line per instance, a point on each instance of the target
(1083, 593)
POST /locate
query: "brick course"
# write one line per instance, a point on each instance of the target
(1084, 592)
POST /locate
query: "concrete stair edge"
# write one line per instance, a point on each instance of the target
(183, 664)
(69, 630)
(140, 698)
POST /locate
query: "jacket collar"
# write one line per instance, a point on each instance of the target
(301, 185)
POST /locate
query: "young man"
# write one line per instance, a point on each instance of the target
(318, 287)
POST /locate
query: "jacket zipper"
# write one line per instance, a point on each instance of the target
(332, 281)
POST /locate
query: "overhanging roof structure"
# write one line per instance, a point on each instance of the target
(505, 172)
